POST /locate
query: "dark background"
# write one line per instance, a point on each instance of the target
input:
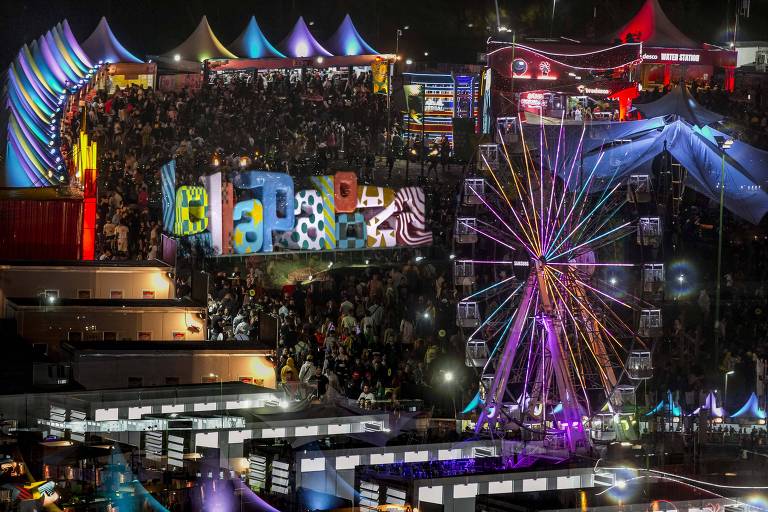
(438, 27)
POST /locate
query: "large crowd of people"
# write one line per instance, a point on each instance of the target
(382, 334)
(286, 122)
(388, 332)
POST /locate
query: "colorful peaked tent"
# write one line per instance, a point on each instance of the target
(301, 43)
(202, 44)
(36, 85)
(751, 409)
(710, 407)
(679, 102)
(103, 46)
(667, 407)
(253, 44)
(347, 40)
(652, 27)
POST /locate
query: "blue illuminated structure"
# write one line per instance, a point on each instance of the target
(751, 409)
(667, 407)
(253, 44)
(102, 45)
(301, 43)
(347, 41)
(36, 86)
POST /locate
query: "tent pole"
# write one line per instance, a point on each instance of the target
(719, 262)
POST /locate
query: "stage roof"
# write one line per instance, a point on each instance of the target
(202, 44)
(103, 46)
(652, 27)
(347, 41)
(301, 43)
(253, 44)
(680, 103)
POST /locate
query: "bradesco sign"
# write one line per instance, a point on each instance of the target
(258, 210)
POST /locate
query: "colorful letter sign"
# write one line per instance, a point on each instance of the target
(336, 213)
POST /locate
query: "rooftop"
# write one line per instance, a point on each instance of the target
(81, 263)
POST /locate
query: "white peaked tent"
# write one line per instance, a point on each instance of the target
(202, 44)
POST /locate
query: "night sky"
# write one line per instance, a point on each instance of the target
(439, 27)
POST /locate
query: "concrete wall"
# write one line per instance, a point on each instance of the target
(159, 368)
(30, 281)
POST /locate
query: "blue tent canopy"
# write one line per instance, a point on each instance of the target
(609, 152)
(347, 41)
(301, 43)
(751, 409)
(253, 44)
(103, 46)
(679, 102)
(667, 407)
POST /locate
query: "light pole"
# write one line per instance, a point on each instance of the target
(725, 388)
(724, 144)
(552, 20)
(390, 81)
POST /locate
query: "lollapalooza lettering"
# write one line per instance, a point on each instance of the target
(336, 213)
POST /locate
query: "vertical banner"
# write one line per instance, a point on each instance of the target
(168, 187)
(414, 102)
(227, 210)
(487, 121)
(213, 186)
(380, 73)
(85, 166)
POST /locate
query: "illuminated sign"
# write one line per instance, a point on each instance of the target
(672, 57)
(593, 90)
(532, 99)
(336, 213)
(519, 67)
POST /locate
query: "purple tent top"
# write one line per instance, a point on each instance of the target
(253, 44)
(300, 43)
(347, 40)
(103, 46)
(710, 406)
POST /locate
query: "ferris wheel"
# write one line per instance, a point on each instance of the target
(554, 342)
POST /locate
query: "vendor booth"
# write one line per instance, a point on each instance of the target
(552, 78)
(671, 56)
